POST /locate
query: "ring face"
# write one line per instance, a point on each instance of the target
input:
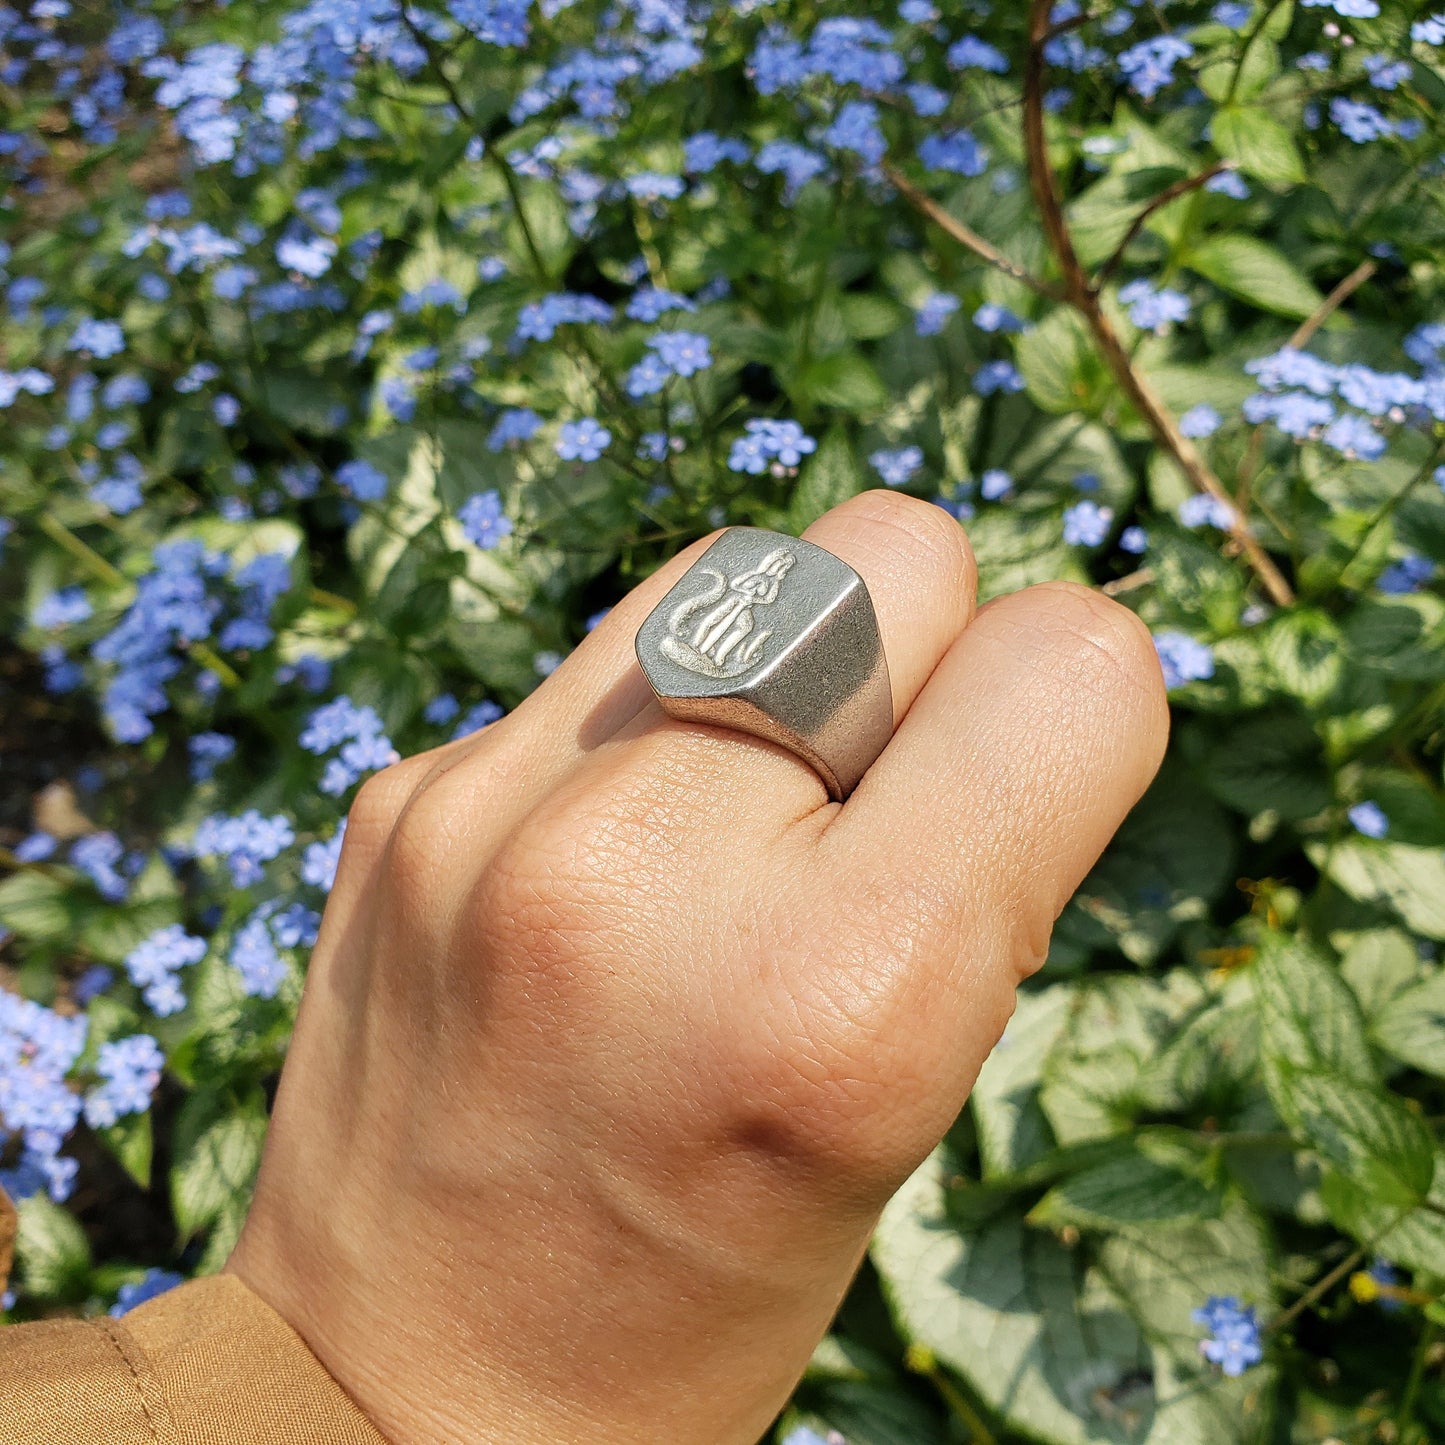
(774, 636)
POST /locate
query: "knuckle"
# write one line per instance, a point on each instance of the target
(381, 798)
(835, 1079)
(533, 907)
(823, 1110)
(419, 837)
(577, 882)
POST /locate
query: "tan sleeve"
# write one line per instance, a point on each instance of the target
(206, 1364)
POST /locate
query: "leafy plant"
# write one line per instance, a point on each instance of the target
(358, 352)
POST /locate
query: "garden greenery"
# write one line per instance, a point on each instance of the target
(357, 354)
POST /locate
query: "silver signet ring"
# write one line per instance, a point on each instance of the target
(773, 636)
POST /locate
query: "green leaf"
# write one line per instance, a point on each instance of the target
(1378, 964)
(51, 1250)
(1246, 77)
(1406, 879)
(867, 316)
(1053, 1349)
(1060, 364)
(1305, 650)
(217, 1148)
(1369, 1133)
(109, 934)
(1161, 1275)
(1414, 807)
(1412, 1238)
(850, 1389)
(864, 1413)
(224, 1232)
(468, 465)
(501, 652)
(108, 1018)
(306, 400)
(1181, 387)
(1255, 272)
(546, 229)
(130, 1140)
(1116, 1029)
(1210, 1066)
(1401, 637)
(831, 475)
(1154, 1181)
(844, 379)
(1270, 763)
(1063, 1351)
(1012, 1130)
(1411, 1026)
(1309, 1019)
(1258, 144)
(1171, 859)
(38, 906)
(1194, 582)
(1016, 548)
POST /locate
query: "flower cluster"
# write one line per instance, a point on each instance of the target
(422, 333)
(1345, 405)
(768, 443)
(155, 963)
(1234, 1340)
(246, 843)
(129, 1070)
(357, 732)
(38, 1109)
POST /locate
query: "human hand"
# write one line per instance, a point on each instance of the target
(619, 1034)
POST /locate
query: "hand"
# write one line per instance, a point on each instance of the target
(619, 1034)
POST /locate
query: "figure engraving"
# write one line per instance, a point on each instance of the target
(722, 643)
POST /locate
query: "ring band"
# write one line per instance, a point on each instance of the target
(776, 637)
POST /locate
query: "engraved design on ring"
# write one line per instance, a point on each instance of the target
(776, 637)
(728, 624)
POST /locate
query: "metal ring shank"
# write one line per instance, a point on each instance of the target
(775, 637)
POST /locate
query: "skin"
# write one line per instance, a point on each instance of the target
(619, 1034)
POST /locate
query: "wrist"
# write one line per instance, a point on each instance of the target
(620, 1335)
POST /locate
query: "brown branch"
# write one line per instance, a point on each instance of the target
(464, 112)
(1164, 198)
(965, 236)
(1078, 294)
(1074, 22)
(1332, 303)
(1120, 585)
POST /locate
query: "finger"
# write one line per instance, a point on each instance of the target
(919, 570)
(599, 688)
(446, 809)
(1034, 737)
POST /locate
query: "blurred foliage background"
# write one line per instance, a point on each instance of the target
(357, 354)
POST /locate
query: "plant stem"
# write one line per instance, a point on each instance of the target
(922, 1362)
(1165, 197)
(952, 226)
(1248, 45)
(58, 532)
(509, 176)
(1332, 303)
(208, 657)
(1322, 1286)
(1417, 1376)
(1077, 293)
(1387, 507)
